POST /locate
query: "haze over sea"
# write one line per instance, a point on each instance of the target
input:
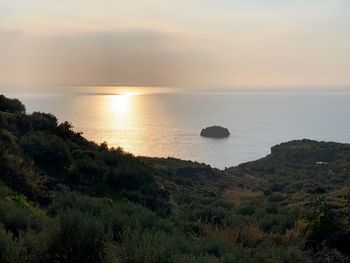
(167, 122)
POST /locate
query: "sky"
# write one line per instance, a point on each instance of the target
(187, 43)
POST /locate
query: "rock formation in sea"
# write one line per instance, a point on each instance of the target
(215, 132)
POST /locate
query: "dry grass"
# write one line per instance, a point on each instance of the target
(249, 236)
(246, 236)
(236, 195)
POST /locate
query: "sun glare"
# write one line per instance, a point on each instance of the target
(120, 103)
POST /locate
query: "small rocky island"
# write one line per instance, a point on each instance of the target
(215, 132)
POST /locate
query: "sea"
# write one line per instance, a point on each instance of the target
(166, 122)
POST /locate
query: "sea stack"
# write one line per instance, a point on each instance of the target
(215, 132)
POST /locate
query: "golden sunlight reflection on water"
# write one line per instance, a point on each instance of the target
(127, 118)
(132, 119)
(120, 105)
(117, 118)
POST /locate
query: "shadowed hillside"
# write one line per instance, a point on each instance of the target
(66, 199)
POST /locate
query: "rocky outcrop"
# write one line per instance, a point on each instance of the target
(215, 132)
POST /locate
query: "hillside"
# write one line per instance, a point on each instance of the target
(66, 199)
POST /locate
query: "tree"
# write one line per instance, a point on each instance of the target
(11, 105)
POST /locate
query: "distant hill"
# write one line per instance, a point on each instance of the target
(66, 199)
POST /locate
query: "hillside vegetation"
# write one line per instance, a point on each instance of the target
(66, 199)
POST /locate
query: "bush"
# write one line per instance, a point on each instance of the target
(246, 209)
(78, 237)
(322, 219)
(49, 151)
(10, 252)
(150, 247)
(16, 218)
(43, 121)
(19, 173)
(11, 105)
(87, 171)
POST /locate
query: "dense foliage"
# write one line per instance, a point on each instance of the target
(11, 105)
(65, 199)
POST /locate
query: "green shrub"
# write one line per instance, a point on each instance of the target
(150, 247)
(246, 209)
(19, 173)
(322, 219)
(49, 151)
(10, 252)
(78, 237)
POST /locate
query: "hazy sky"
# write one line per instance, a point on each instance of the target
(175, 43)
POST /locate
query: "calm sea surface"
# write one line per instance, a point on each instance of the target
(168, 123)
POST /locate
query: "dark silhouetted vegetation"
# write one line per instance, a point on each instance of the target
(11, 105)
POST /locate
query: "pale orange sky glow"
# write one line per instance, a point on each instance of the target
(175, 43)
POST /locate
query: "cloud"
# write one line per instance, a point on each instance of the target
(136, 57)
